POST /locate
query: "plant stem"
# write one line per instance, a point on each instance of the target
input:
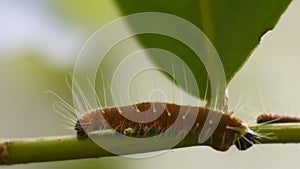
(278, 133)
(18, 151)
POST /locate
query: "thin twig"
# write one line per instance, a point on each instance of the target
(19, 151)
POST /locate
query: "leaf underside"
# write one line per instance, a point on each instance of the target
(234, 27)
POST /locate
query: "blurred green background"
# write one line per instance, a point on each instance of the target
(39, 43)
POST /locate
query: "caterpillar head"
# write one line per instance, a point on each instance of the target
(81, 134)
(247, 140)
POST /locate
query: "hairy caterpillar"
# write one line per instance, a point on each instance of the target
(230, 130)
(273, 118)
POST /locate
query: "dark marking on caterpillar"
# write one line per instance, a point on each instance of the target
(4, 154)
(230, 130)
(273, 118)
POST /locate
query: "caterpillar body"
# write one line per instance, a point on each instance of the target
(274, 118)
(230, 130)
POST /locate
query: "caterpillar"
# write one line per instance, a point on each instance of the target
(230, 130)
(273, 118)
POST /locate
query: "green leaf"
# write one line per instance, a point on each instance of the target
(234, 27)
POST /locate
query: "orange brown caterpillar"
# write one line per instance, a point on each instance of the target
(273, 118)
(229, 131)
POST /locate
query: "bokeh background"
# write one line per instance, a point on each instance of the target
(39, 43)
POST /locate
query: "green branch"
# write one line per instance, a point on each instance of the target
(18, 151)
(278, 133)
